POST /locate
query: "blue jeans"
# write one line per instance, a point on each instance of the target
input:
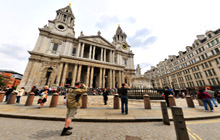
(214, 102)
(7, 97)
(124, 102)
(18, 99)
(205, 102)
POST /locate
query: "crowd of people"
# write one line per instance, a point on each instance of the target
(206, 95)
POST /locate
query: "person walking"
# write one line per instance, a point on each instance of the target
(167, 92)
(20, 93)
(105, 96)
(43, 96)
(73, 101)
(205, 97)
(211, 93)
(123, 92)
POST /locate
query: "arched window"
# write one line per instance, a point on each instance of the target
(49, 71)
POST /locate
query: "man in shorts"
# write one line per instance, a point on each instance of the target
(73, 101)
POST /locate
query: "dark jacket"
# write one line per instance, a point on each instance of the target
(123, 91)
(167, 93)
(203, 95)
(9, 91)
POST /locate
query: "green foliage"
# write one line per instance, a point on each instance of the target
(1, 81)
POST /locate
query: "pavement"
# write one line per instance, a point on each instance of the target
(98, 112)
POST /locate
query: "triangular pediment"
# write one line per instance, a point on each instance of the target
(97, 39)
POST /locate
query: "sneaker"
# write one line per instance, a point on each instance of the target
(69, 128)
(211, 110)
(206, 110)
(66, 133)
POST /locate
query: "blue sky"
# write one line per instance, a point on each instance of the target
(154, 28)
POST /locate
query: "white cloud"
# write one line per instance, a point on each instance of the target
(172, 25)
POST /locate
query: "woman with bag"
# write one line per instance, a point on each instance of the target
(105, 96)
(20, 93)
(43, 96)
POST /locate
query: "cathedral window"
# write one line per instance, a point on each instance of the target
(55, 46)
(125, 61)
(74, 51)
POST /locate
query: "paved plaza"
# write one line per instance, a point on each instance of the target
(98, 111)
(24, 129)
(103, 125)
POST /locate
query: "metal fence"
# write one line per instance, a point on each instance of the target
(139, 93)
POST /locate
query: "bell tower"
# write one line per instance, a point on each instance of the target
(119, 40)
(65, 15)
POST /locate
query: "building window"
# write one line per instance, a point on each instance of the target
(55, 46)
(216, 60)
(74, 51)
(216, 50)
(125, 61)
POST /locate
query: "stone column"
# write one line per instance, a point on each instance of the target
(147, 104)
(82, 50)
(103, 78)
(78, 50)
(90, 52)
(64, 74)
(100, 78)
(74, 75)
(79, 73)
(113, 57)
(119, 78)
(101, 54)
(59, 74)
(110, 79)
(91, 76)
(113, 79)
(122, 77)
(87, 76)
(105, 55)
(93, 54)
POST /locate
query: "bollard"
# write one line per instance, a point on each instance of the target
(166, 119)
(147, 102)
(30, 99)
(179, 123)
(84, 100)
(200, 102)
(116, 101)
(54, 100)
(12, 98)
(172, 101)
(189, 101)
(2, 95)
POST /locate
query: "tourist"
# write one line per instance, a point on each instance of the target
(8, 92)
(20, 93)
(105, 96)
(73, 101)
(205, 97)
(43, 96)
(211, 93)
(35, 90)
(123, 92)
(167, 92)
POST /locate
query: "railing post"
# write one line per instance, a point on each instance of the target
(2, 95)
(84, 100)
(172, 101)
(30, 99)
(189, 101)
(12, 98)
(147, 104)
(179, 123)
(116, 102)
(54, 100)
(166, 119)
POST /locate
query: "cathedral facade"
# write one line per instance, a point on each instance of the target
(59, 58)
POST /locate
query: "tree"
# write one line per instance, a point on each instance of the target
(2, 83)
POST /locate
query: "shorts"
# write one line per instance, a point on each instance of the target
(71, 112)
